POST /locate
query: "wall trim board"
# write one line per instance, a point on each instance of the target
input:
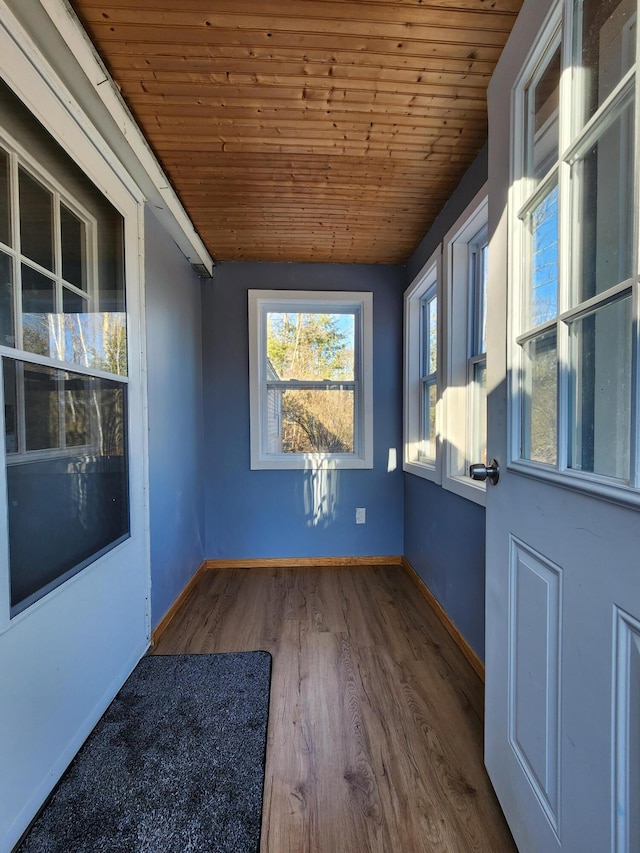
(301, 562)
(442, 614)
(163, 624)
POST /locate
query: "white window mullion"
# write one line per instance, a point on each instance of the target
(571, 94)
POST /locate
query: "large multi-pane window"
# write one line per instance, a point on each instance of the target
(64, 365)
(575, 199)
(310, 379)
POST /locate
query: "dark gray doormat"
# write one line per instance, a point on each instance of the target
(175, 765)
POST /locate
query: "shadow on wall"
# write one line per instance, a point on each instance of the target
(321, 489)
(321, 492)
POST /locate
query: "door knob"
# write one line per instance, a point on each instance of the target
(481, 472)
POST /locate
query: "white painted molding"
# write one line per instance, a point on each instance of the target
(55, 29)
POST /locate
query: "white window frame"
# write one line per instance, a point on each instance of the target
(19, 158)
(460, 331)
(361, 303)
(429, 278)
(573, 141)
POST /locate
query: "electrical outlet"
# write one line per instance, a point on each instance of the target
(361, 515)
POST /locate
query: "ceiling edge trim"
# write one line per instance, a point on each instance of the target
(83, 73)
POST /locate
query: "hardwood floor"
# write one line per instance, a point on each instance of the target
(375, 729)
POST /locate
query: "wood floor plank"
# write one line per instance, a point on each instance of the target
(375, 727)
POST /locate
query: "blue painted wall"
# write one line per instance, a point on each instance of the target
(444, 534)
(254, 514)
(174, 358)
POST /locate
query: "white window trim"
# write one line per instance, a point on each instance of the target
(20, 158)
(429, 275)
(457, 325)
(362, 303)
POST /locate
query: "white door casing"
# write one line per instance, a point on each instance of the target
(563, 586)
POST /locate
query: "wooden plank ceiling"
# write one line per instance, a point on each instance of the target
(307, 130)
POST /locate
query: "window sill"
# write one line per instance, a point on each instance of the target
(310, 462)
(420, 469)
(466, 488)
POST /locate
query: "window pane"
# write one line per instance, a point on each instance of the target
(73, 303)
(543, 98)
(73, 239)
(605, 47)
(603, 199)
(540, 399)
(5, 204)
(310, 420)
(41, 407)
(36, 221)
(601, 391)
(481, 272)
(67, 508)
(311, 346)
(78, 411)
(541, 301)
(428, 442)
(10, 406)
(478, 438)
(429, 354)
(80, 327)
(39, 331)
(432, 336)
(7, 332)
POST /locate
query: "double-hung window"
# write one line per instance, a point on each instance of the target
(445, 418)
(422, 372)
(310, 379)
(465, 272)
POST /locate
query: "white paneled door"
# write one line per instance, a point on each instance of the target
(563, 520)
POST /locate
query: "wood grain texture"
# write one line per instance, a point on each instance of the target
(443, 616)
(292, 130)
(375, 731)
(299, 562)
